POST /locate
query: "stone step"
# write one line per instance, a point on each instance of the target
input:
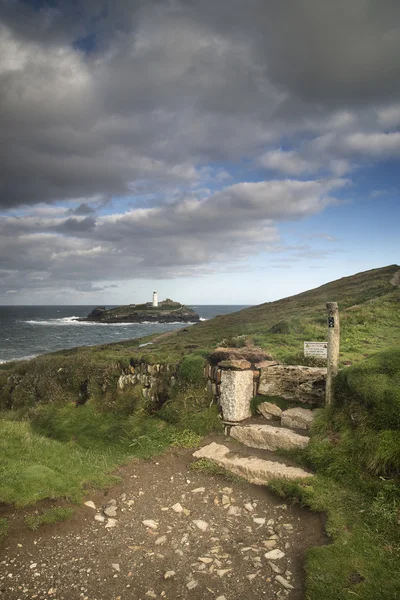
(298, 418)
(255, 470)
(268, 437)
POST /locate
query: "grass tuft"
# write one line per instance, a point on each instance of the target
(48, 516)
(185, 439)
(203, 465)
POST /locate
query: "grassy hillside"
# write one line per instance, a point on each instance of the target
(65, 425)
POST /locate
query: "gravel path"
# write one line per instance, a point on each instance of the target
(164, 532)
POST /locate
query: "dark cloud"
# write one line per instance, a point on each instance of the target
(170, 87)
(163, 104)
(188, 237)
(82, 209)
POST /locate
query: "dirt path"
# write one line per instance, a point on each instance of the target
(204, 537)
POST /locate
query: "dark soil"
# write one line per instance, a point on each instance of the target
(82, 559)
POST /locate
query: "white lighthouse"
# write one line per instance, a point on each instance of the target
(155, 299)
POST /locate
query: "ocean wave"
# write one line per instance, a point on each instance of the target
(29, 357)
(73, 321)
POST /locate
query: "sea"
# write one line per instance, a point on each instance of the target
(27, 331)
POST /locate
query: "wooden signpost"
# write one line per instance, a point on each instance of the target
(333, 348)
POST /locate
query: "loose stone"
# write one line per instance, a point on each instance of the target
(111, 523)
(192, 584)
(199, 490)
(99, 518)
(274, 567)
(169, 574)
(116, 567)
(90, 504)
(274, 554)
(150, 523)
(161, 540)
(178, 508)
(284, 582)
(201, 524)
(110, 511)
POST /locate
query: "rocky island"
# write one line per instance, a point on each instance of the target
(166, 311)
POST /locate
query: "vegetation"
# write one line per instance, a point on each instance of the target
(203, 465)
(66, 424)
(355, 452)
(48, 517)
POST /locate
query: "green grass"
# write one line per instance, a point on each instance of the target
(203, 465)
(355, 453)
(48, 517)
(185, 439)
(34, 467)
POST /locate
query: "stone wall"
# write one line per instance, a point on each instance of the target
(152, 378)
(234, 376)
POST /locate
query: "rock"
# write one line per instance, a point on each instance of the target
(248, 506)
(237, 364)
(269, 544)
(274, 567)
(223, 572)
(274, 554)
(192, 584)
(161, 540)
(296, 382)
(298, 418)
(90, 504)
(199, 490)
(259, 521)
(255, 470)
(151, 594)
(116, 567)
(110, 511)
(251, 576)
(99, 518)
(111, 523)
(33, 566)
(269, 410)
(166, 312)
(234, 511)
(221, 598)
(206, 560)
(178, 508)
(236, 392)
(169, 574)
(264, 364)
(150, 523)
(225, 500)
(201, 524)
(284, 582)
(268, 437)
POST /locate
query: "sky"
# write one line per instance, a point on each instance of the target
(220, 152)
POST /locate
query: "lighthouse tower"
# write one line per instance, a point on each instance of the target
(155, 299)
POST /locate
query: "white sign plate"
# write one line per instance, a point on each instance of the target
(318, 349)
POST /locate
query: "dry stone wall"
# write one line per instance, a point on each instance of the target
(234, 376)
(151, 378)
